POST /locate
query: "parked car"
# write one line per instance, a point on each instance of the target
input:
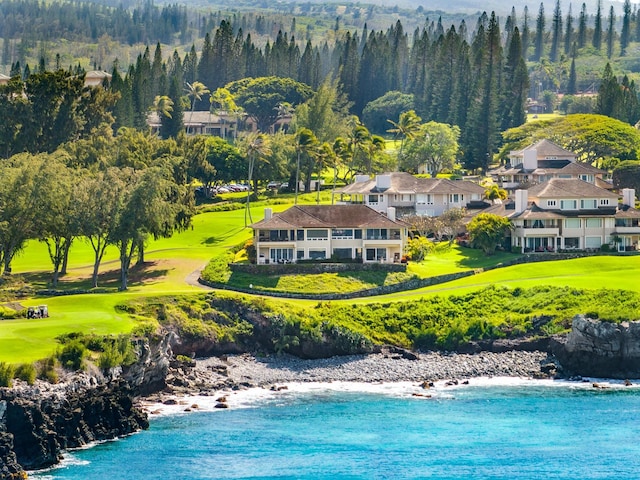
(222, 190)
(273, 185)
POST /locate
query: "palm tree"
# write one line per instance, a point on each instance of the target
(359, 136)
(255, 145)
(195, 91)
(407, 127)
(342, 154)
(305, 141)
(375, 145)
(223, 98)
(163, 106)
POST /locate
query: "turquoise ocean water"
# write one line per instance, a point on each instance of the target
(531, 431)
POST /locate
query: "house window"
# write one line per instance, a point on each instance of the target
(300, 235)
(357, 234)
(456, 198)
(586, 178)
(342, 253)
(604, 201)
(564, 175)
(317, 234)
(594, 223)
(572, 223)
(279, 255)
(315, 254)
(376, 233)
(551, 203)
(592, 242)
(300, 254)
(376, 254)
(278, 235)
(373, 199)
(568, 204)
(588, 203)
(424, 199)
(572, 242)
(341, 233)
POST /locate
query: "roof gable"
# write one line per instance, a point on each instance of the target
(545, 148)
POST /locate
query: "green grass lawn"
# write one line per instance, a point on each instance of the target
(172, 260)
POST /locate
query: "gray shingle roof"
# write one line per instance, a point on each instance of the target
(569, 188)
(545, 148)
(402, 182)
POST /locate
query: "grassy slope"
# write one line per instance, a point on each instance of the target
(172, 260)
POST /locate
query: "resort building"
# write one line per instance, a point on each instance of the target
(412, 195)
(319, 232)
(545, 161)
(571, 214)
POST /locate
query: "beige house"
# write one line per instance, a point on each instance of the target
(571, 214)
(96, 78)
(319, 232)
(412, 195)
(544, 161)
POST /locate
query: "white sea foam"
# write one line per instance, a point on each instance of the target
(255, 397)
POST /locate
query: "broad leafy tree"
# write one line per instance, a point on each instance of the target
(434, 147)
(391, 105)
(260, 97)
(487, 231)
(627, 175)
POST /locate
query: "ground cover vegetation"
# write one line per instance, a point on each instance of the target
(437, 321)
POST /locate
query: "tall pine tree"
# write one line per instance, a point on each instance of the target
(556, 32)
(539, 45)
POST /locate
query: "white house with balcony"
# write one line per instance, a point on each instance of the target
(412, 195)
(319, 232)
(545, 161)
(571, 214)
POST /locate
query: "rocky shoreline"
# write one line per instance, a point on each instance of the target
(218, 375)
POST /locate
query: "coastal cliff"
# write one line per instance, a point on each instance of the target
(600, 349)
(39, 422)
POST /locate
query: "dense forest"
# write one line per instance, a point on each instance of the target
(477, 75)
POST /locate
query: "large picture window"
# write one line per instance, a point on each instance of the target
(317, 234)
(572, 223)
(594, 223)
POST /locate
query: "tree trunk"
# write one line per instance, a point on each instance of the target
(65, 256)
(140, 253)
(94, 276)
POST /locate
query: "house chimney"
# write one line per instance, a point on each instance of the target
(522, 200)
(268, 213)
(391, 213)
(361, 178)
(383, 181)
(530, 159)
(629, 197)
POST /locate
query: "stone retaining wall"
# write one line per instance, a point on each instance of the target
(306, 268)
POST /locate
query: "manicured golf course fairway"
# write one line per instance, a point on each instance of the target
(173, 265)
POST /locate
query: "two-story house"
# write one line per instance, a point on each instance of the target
(412, 195)
(541, 162)
(318, 232)
(573, 214)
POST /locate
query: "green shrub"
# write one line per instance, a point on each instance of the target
(418, 248)
(72, 355)
(250, 248)
(115, 352)
(7, 372)
(47, 370)
(26, 372)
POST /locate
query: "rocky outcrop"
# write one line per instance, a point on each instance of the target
(37, 423)
(43, 424)
(600, 349)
